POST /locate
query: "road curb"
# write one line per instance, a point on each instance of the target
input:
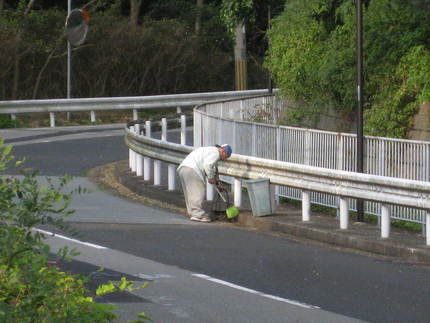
(357, 238)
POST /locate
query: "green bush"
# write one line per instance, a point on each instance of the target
(312, 58)
(394, 107)
(7, 122)
(30, 289)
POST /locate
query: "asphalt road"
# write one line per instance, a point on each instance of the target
(215, 273)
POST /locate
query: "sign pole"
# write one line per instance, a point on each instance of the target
(69, 61)
(360, 88)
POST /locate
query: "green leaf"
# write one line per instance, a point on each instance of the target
(106, 289)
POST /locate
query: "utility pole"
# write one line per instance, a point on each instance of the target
(269, 25)
(360, 89)
(240, 58)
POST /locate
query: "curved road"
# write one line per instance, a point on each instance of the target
(212, 272)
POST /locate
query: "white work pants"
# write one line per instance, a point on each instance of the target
(194, 191)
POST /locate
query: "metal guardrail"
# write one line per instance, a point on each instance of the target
(385, 190)
(117, 103)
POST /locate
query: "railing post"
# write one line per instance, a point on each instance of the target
(138, 157)
(254, 143)
(93, 116)
(241, 110)
(147, 160)
(428, 228)
(344, 216)
(13, 116)
(278, 157)
(52, 119)
(306, 206)
(385, 220)
(135, 114)
(307, 152)
(183, 130)
(197, 128)
(237, 192)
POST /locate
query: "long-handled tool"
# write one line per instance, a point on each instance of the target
(231, 211)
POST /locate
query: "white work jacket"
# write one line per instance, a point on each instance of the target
(203, 161)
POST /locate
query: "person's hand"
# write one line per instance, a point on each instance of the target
(221, 188)
(212, 180)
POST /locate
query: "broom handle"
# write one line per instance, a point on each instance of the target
(219, 193)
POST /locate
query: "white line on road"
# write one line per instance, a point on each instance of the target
(70, 239)
(276, 298)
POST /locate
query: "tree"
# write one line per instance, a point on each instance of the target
(199, 5)
(135, 6)
(19, 52)
(312, 57)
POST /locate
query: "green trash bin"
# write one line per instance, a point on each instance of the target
(259, 196)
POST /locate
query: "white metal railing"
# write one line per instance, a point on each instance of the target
(117, 103)
(381, 189)
(383, 156)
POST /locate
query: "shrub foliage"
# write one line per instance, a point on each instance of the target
(312, 57)
(30, 289)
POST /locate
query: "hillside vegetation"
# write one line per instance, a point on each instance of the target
(312, 57)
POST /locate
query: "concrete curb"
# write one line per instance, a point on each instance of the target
(365, 238)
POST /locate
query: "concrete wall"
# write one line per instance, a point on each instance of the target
(421, 127)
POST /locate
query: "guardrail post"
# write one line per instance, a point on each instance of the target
(171, 168)
(13, 116)
(139, 157)
(171, 177)
(147, 160)
(237, 188)
(52, 119)
(157, 163)
(135, 114)
(157, 172)
(183, 130)
(93, 116)
(209, 191)
(344, 216)
(385, 220)
(131, 156)
(164, 129)
(428, 227)
(306, 206)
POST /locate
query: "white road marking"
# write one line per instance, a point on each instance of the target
(70, 239)
(276, 298)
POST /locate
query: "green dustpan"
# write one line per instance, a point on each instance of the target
(231, 210)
